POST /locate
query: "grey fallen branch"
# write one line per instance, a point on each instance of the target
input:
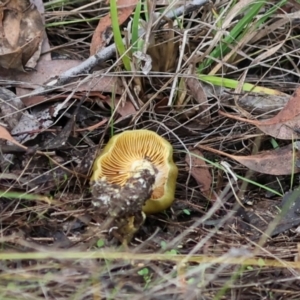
(106, 53)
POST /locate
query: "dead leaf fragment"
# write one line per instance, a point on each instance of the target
(21, 34)
(124, 109)
(274, 162)
(198, 93)
(199, 170)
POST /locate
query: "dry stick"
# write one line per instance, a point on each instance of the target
(179, 66)
(107, 53)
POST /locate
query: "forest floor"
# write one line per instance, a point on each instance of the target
(218, 80)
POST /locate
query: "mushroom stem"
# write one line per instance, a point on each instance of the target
(124, 203)
(117, 200)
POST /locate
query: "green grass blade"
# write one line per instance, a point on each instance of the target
(135, 27)
(145, 10)
(117, 35)
(271, 11)
(239, 31)
(25, 196)
(232, 84)
(222, 49)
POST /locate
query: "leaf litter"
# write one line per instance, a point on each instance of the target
(77, 131)
(280, 161)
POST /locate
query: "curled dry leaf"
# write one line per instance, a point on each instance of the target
(146, 59)
(282, 126)
(22, 31)
(274, 162)
(44, 53)
(199, 170)
(258, 103)
(103, 32)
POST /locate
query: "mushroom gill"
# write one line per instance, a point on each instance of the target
(127, 155)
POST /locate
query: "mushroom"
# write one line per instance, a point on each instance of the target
(134, 174)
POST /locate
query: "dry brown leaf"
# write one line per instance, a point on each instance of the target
(199, 170)
(196, 90)
(282, 126)
(274, 162)
(124, 109)
(5, 135)
(261, 103)
(22, 30)
(102, 33)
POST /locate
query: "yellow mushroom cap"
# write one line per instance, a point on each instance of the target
(134, 150)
